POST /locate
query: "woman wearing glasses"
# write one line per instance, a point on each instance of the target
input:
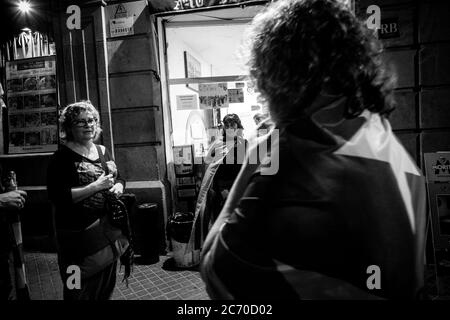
(77, 186)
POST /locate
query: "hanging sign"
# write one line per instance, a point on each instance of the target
(213, 95)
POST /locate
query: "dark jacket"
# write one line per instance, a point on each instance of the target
(347, 201)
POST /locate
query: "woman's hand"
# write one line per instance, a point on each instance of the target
(13, 199)
(103, 182)
(117, 189)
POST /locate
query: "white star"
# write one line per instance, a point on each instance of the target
(375, 140)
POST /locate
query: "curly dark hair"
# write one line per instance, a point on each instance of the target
(298, 48)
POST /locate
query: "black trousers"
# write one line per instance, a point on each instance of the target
(5, 250)
(5, 278)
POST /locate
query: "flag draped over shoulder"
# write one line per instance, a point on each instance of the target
(346, 200)
(216, 155)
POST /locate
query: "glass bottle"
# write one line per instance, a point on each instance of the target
(11, 182)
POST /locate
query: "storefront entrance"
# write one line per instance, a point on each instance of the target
(203, 79)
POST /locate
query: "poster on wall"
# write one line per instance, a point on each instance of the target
(213, 95)
(192, 69)
(32, 105)
(183, 159)
(187, 102)
(235, 95)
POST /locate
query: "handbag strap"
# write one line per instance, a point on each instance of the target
(102, 159)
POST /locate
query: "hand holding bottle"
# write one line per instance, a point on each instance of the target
(103, 182)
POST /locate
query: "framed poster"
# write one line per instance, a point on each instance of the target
(437, 166)
(439, 201)
(192, 69)
(183, 159)
(32, 105)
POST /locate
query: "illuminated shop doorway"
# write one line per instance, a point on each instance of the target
(203, 79)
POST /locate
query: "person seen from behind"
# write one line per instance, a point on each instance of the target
(344, 216)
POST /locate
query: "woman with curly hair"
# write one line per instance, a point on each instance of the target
(343, 217)
(81, 176)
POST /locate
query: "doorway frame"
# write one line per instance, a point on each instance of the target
(162, 20)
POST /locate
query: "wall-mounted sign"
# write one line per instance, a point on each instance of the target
(187, 102)
(389, 28)
(121, 26)
(32, 103)
(437, 166)
(439, 202)
(126, 18)
(121, 11)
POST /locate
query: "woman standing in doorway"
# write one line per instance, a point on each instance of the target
(225, 158)
(81, 176)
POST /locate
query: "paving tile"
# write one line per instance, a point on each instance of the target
(162, 285)
(141, 293)
(177, 286)
(148, 282)
(151, 289)
(172, 295)
(166, 290)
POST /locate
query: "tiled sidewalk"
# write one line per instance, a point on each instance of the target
(148, 282)
(152, 282)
